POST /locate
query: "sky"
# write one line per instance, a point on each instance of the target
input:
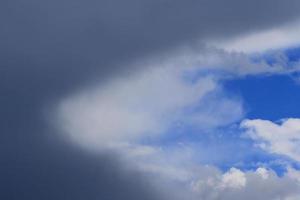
(153, 100)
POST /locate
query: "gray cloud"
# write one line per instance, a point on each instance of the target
(65, 42)
(60, 172)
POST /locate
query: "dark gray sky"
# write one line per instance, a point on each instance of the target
(50, 48)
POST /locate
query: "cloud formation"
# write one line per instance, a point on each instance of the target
(235, 184)
(51, 50)
(178, 89)
(279, 138)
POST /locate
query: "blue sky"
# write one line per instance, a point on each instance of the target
(269, 97)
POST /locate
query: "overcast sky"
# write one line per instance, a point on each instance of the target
(158, 100)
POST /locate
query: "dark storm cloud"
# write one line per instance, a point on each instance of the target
(60, 173)
(49, 48)
(62, 42)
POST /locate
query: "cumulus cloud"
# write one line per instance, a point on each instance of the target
(279, 138)
(260, 184)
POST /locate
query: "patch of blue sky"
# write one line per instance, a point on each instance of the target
(269, 97)
(293, 54)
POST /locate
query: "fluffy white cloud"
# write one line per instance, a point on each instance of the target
(262, 184)
(280, 138)
(234, 178)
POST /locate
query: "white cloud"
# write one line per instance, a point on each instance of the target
(263, 172)
(293, 173)
(234, 178)
(274, 38)
(236, 185)
(126, 110)
(280, 138)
